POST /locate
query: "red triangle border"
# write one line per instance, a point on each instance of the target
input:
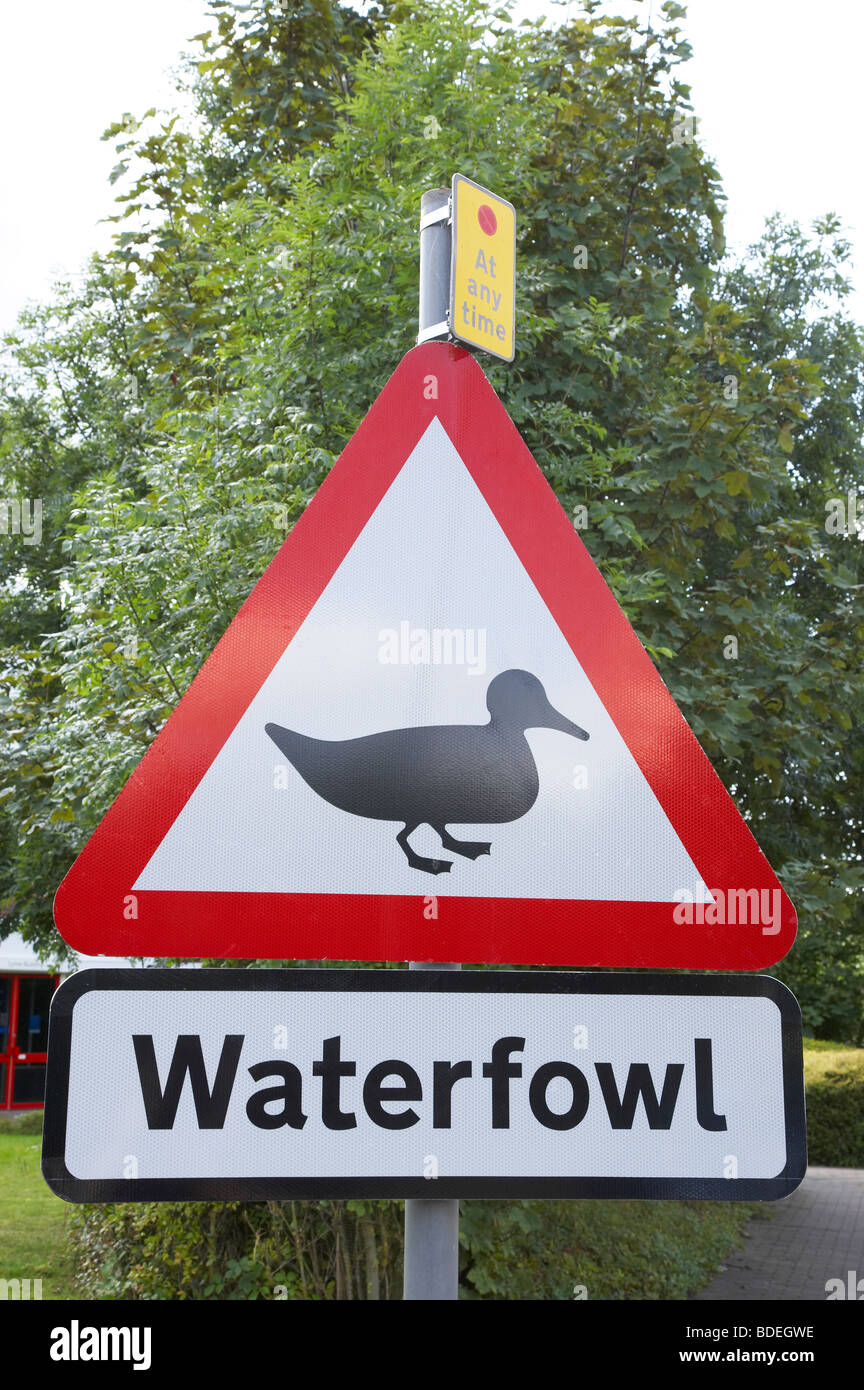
(93, 907)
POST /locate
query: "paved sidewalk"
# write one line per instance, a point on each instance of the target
(815, 1235)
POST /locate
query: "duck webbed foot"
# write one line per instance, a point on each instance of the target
(471, 849)
(417, 861)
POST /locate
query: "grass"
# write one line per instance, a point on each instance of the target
(32, 1220)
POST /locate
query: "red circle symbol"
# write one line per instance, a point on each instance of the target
(487, 219)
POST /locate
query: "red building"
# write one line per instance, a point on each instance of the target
(26, 987)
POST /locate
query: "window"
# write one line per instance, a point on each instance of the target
(24, 1004)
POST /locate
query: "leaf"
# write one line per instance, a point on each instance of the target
(736, 482)
(785, 439)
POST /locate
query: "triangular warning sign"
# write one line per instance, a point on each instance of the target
(430, 733)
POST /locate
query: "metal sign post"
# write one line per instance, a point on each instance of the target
(431, 1230)
(434, 264)
(432, 1223)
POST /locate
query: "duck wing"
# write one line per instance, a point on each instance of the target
(469, 774)
(443, 773)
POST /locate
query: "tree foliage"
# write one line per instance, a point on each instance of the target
(178, 413)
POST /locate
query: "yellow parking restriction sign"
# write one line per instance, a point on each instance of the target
(483, 271)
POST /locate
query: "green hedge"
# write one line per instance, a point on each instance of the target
(21, 1122)
(596, 1250)
(834, 1081)
(239, 1250)
(338, 1250)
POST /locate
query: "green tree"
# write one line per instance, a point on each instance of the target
(697, 414)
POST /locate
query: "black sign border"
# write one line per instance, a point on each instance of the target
(72, 1189)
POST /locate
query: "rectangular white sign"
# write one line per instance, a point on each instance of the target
(253, 1084)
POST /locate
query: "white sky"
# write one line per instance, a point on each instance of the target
(776, 84)
(67, 71)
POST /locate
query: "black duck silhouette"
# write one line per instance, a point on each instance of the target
(482, 774)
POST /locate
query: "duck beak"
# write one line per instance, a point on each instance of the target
(554, 720)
